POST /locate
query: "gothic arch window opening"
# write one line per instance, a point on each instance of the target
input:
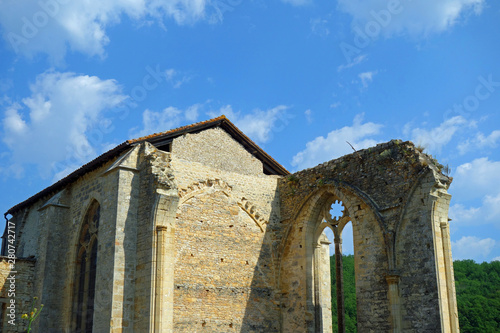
(330, 301)
(86, 267)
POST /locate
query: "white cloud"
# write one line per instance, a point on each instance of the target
(480, 141)
(173, 78)
(496, 259)
(50, 26)
(476, 181)
(487, 213)
(417, 18)
(63, 122)
(470, 247)
(366, 78)
(258, 124)
(461, 214)
(435, 139)
(171, 117)
(308, 114)
(334, 145)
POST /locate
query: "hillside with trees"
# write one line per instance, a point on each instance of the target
(478, 295)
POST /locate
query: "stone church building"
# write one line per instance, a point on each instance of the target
(197, 229)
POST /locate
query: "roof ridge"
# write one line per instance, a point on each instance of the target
(178, 129)
(221, 121)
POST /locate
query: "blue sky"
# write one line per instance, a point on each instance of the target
(300, 77)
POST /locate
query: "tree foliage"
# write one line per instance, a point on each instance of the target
(478, 295)
(349, 293)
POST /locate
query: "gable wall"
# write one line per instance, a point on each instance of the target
(225, 277)
(217, 149)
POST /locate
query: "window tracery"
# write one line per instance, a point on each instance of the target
(86, 267)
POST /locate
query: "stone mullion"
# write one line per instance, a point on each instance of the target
(340, 280)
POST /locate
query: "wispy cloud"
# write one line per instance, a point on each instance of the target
(334, 145)
(366, 78)
(356, 61)
(434, 139)
(480, 141)
(308, 114)
(258, 124)
(469, 247)
(175, 78)
(169, 118)
(417, 18)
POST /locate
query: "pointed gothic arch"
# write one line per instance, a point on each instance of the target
(85, 270)
(304, 249)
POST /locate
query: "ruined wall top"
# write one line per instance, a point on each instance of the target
(384, 174)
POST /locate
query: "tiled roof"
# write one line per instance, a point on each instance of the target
(179, 129)
(270, 165)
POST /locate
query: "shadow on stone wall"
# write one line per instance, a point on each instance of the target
(262, 311)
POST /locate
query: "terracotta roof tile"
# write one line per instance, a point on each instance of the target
(175, 130)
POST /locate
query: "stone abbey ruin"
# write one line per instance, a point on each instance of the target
(197, 229)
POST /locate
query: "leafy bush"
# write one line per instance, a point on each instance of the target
(478, 295)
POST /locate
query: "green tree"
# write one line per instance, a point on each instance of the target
(349, 293)
(478, 295)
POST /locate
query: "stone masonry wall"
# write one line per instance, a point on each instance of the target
(49, 232)
(415, 253)
(225, 261)
(217, 149)
(377, 187)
